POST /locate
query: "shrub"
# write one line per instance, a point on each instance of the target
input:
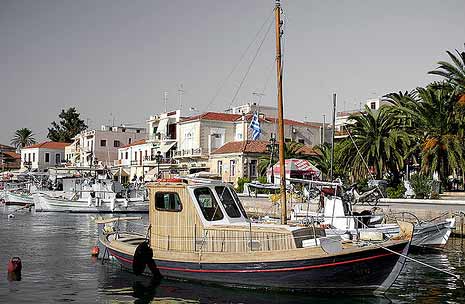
(396, 192)
(421, 185)
(240, 183)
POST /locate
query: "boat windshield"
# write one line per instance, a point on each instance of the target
(208, 204)
(228, 201)
(238, 201)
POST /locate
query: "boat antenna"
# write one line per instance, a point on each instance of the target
(282, 169)
(332, 138)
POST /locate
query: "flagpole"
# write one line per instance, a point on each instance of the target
(280, 114)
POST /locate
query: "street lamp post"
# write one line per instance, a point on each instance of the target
(270, 149)
(158, 157)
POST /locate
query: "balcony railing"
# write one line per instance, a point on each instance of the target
(161, 137)
(163, 160)
(188, 152)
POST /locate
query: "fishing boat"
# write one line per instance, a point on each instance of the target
(339, 219)
(19, 198)
(200, 232)
(86, 195)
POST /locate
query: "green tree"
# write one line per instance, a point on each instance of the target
(439, 123)
(23, 138)
(69, 126)
(322, 159)
(376, 141)
(291, 150)
(454, 72)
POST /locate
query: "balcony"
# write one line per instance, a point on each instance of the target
(157, 137)
(197, 152)
(151, 160)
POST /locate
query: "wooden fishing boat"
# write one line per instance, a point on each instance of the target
(200, 232)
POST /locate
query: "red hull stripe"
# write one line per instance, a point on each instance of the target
(260, 270)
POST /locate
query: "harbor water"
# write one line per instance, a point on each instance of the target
(57, 267)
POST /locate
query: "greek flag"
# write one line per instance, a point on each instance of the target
(255, 126)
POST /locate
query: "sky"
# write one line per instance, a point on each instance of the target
(114, 59)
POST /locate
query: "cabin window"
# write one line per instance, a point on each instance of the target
(238, 201)
(228, 202)
(208, 204)
(168, 201)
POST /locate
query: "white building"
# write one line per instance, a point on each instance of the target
(100, 147)
(342, 118)
(40, 157)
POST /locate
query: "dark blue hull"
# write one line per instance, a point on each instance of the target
(373, 270)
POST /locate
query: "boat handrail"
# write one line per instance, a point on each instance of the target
(315, 182)
(117, 219)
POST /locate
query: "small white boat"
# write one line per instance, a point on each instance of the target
(47, 203)
(339, 221)
(17, 198)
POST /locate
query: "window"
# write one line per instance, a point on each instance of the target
(137, 131)
(168, 201)
(116, 143)
(127, 155)
(33, 157)
(208, 204)
(232, 167)
(253, 168)
(301, 141)
(287, 140)
(103, 143)
(228, 202)
(238, 201)
(130, 140)
(57, 158)
(219, 167)
(29, 157)
(373, 105)
(47, 157)
(135, 155)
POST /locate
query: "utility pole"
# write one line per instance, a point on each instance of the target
(324, 129)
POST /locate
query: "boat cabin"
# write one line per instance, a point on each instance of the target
(209, 217)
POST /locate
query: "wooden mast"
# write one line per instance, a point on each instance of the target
(282, 171)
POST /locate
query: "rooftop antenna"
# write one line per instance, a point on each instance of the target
(165, 99)
(258, 96)
(180, 92)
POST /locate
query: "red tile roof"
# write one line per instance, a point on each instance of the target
(49, 145)
(249, 146)
(214, 116)
(12, 154)
(307, 150)
(5, 147)
(136, 143)
(248, 117)
(254, 146)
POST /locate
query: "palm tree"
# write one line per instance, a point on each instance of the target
(291, 150)
(376, 140)
(454, 72)
(23, 138)
(440, 123)
(322, 159)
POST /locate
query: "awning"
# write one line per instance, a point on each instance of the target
(124, 172)
(165, 147)
(162, 126)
